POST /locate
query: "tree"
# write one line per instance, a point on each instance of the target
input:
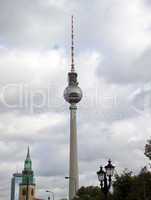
(90, 193)
(148, 149)
(122, 185)
(128, 187)
(144, 184)
(125, 187)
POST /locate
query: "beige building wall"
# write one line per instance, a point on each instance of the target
(23, 192)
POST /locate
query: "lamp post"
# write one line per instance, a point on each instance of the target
(50, 192)
(105, 177)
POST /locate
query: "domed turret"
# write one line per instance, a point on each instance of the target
(72, 93)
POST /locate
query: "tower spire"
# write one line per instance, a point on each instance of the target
(28, 154)
(72, 45)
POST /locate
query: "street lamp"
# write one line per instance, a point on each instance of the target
(50, 192)
(105, 177)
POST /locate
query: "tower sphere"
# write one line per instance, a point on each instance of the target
(73, 94)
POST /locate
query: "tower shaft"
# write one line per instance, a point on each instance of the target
(74, 176)
(73, 95)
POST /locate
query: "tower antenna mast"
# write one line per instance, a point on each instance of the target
(72, 44)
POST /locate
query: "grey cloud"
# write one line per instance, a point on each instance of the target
(26, 22)
(105, 128)
(123, 70)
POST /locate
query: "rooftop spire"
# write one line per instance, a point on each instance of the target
(28, 154)
(28, 162)
(72, 45)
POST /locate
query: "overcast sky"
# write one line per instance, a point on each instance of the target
(113, 56)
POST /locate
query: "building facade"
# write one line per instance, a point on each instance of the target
(15, 182)
(27, 186)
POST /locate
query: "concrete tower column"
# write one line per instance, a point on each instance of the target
(74, 175)
(73, 95)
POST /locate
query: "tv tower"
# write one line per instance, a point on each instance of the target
(73, 94)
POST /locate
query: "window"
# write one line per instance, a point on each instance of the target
(32, 192)
(24, 192)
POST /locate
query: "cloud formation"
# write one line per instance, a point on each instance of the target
(113, 63)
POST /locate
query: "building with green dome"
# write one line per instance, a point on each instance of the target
(27, 186)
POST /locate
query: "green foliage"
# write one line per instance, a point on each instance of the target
(128, 187)
(89, 193)
(125, 187)
(148, 149)
(143, 185)
(122, 185)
